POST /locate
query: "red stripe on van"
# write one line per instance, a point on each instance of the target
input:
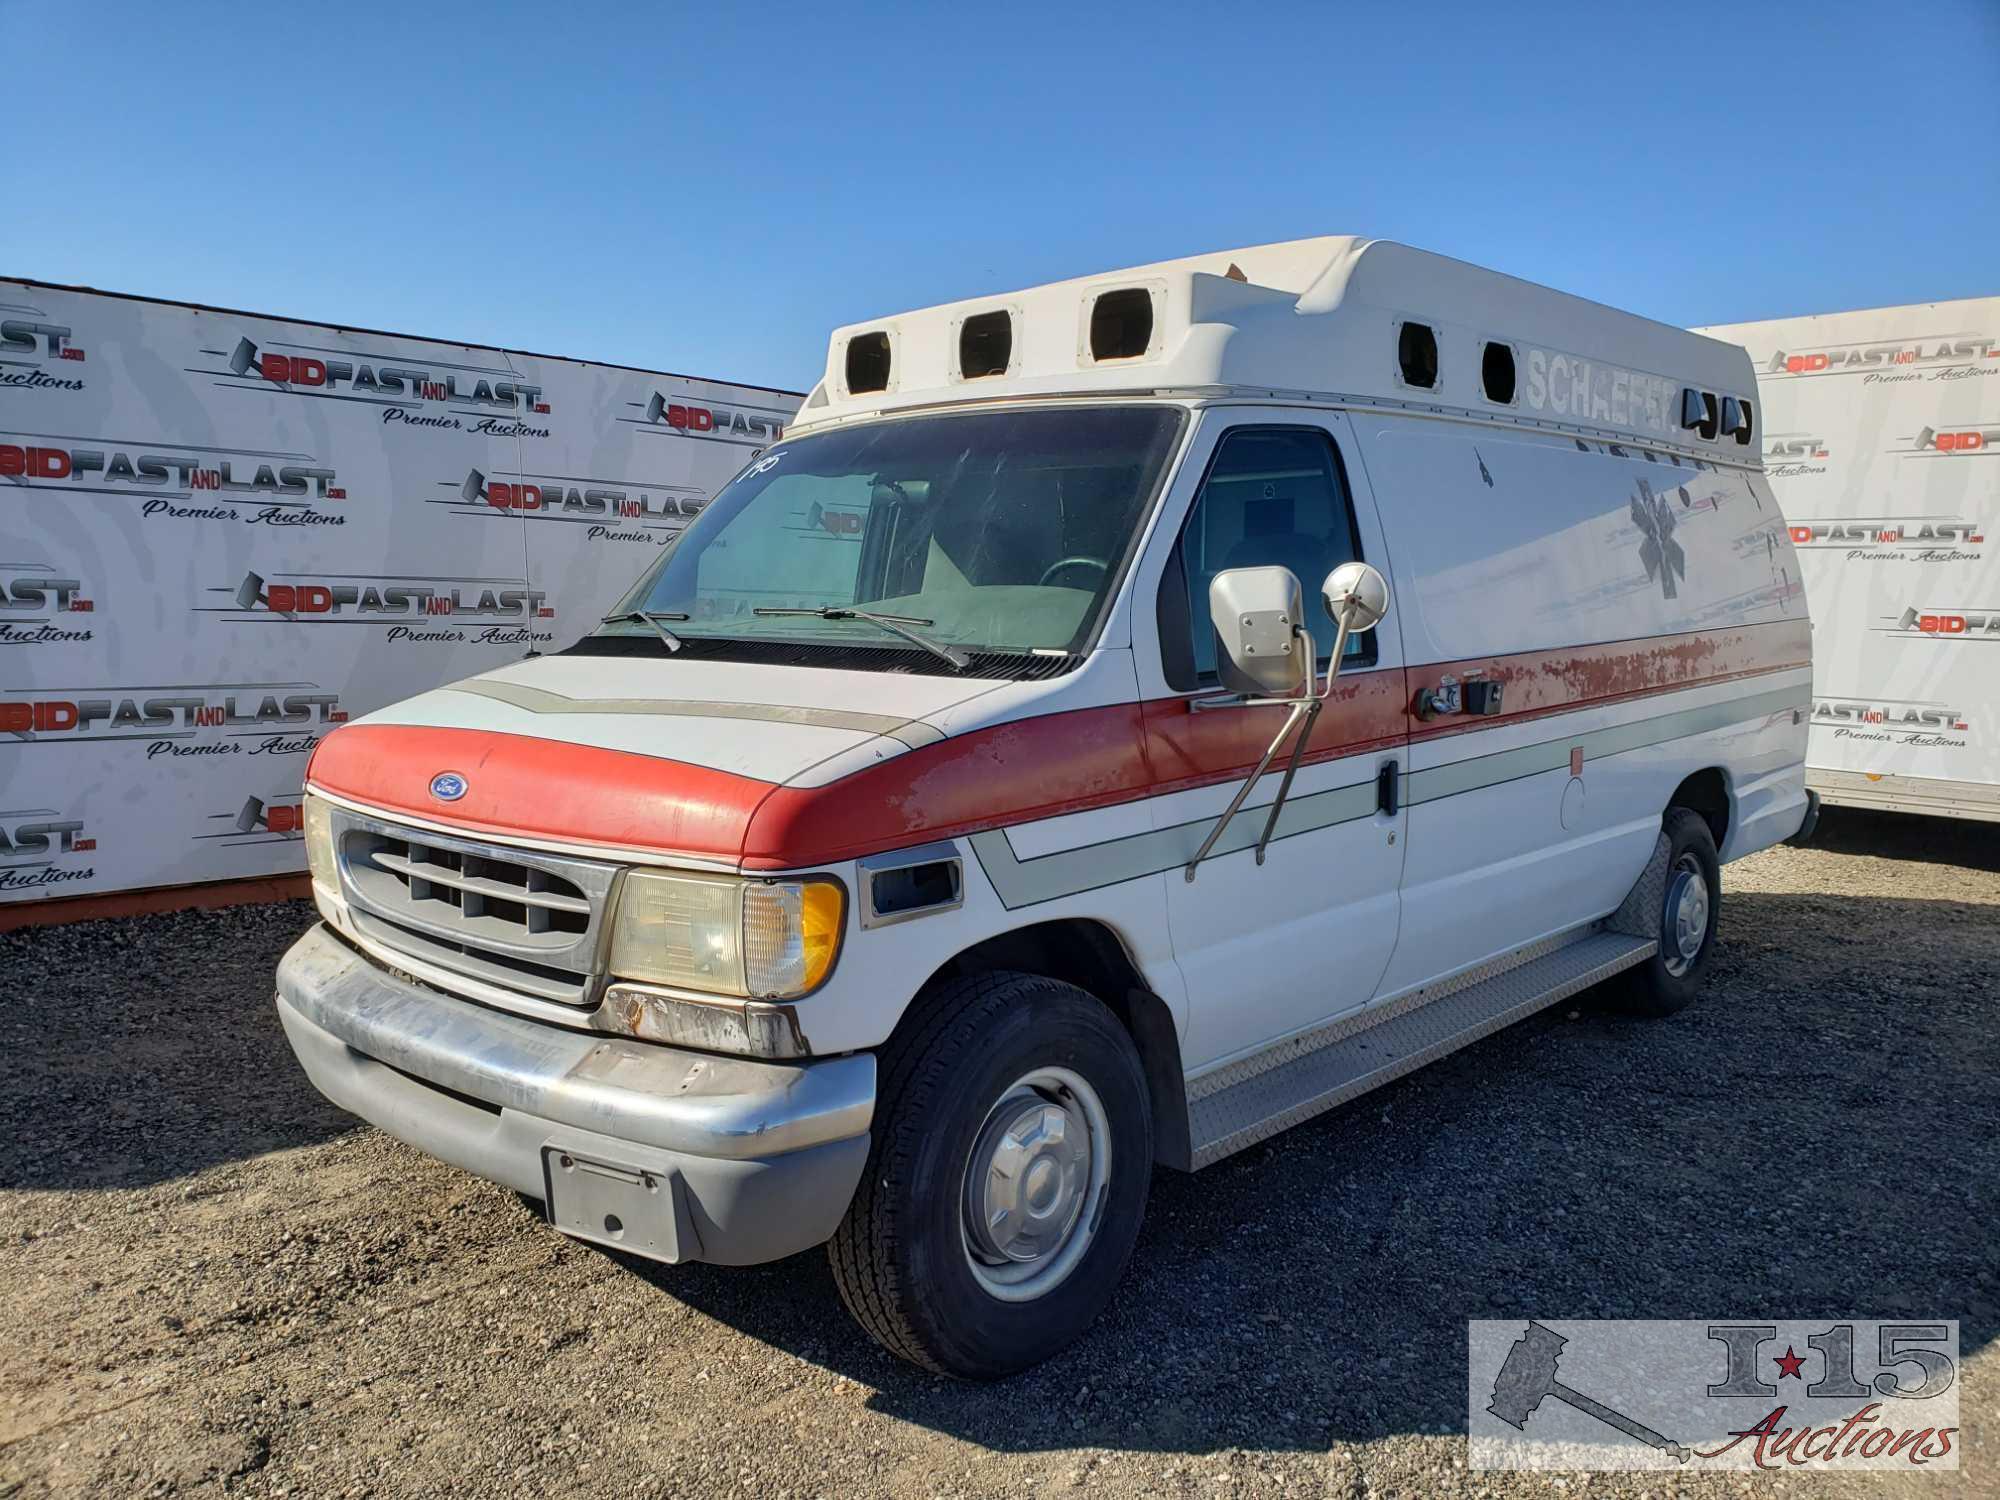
(1011, 773)
(1189, 749)
(534, 788)
(1535, 684)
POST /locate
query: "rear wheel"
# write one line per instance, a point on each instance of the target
(1006, 1180)
(1690, 905)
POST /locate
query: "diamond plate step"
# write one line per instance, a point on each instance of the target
(1360, 1057)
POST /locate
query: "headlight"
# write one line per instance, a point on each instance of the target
(767, 939)
(319, 843)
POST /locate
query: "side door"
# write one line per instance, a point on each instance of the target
(1270, 950)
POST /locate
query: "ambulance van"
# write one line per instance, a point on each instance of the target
(1119, 721)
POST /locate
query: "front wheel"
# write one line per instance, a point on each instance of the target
(1006, 1179)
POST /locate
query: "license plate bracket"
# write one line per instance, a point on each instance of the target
(635, 1209)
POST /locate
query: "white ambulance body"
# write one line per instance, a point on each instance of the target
(870, 876)
(1881, 434)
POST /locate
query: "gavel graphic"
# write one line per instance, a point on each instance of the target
(1529, 1373)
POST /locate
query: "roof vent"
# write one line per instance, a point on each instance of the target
(1496, 373)
(1121, 324)
(985, 345)
(867, 363)
(1417, 355)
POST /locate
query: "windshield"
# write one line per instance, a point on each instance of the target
(984, 532)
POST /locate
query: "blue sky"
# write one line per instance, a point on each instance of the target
(710, 188)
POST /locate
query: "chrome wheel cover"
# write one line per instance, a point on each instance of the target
(1039, 1167)
(1685, 926)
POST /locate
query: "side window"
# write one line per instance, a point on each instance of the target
(1272, 495)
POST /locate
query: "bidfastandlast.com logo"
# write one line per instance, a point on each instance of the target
(172, 720)
(610, 510)
(38, 607)
(37, 353)
(175, 481)
(432, 394)
(1944, 357)
(1922, 539)
(1909, 722)
(1945, 623)
(416, 609)
(280, 820)
(1787, 1397)
(41, 847)
(753, 427)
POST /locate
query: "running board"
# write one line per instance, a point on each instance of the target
(1254, 1099)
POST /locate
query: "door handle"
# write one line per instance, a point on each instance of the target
(1387, 785)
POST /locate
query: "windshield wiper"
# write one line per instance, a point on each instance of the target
(650, 617)
(895, 624)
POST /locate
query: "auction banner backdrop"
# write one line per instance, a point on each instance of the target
(221, 535)
(1881, 433)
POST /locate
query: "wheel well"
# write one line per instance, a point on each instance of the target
(1707, 793)
(1089, 955)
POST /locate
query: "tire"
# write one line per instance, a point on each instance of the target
(1669, 979)
(909, 1257)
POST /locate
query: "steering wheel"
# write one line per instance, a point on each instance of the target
(1074, 562)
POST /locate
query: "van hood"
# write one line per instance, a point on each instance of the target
(646, 756)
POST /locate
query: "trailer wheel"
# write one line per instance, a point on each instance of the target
(1688, 914)
(1007, 1177)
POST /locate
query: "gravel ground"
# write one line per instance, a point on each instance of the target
(211, 1279)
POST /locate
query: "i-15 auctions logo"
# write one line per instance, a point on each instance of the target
(30, 341)
(1770, 1397)
(224, 718)
(36, 606)
(401, 388)
(39, 846)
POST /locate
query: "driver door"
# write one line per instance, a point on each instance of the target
(1273, 949)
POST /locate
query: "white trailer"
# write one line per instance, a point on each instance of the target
(1881, 434)
(222, 533)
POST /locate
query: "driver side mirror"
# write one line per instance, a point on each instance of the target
(1265, 648)
(1259, 618)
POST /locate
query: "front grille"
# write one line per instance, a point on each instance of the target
(521, 921)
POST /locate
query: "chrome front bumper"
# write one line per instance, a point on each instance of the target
(689, 1155)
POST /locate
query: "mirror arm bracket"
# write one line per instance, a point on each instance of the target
(1305, 711)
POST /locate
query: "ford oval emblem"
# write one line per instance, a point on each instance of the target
(448, 786)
